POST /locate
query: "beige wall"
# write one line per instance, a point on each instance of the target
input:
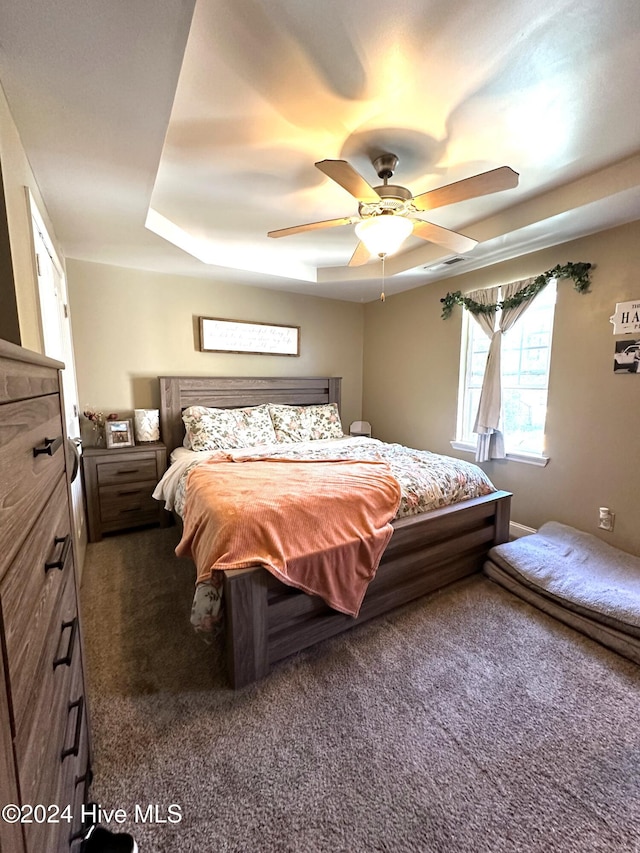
(411, 362)
(17, 175)
(129, 327)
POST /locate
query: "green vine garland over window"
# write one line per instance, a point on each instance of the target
(578, 272)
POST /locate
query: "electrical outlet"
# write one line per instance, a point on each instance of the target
(606, 518)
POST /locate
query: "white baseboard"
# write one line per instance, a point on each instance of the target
(517, 530)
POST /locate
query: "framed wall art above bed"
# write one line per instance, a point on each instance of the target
(267, 620)
(242, 336)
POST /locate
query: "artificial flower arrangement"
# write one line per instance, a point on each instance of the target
(98, 420)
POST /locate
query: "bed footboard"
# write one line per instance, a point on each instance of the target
(245, 597)
(267, 621)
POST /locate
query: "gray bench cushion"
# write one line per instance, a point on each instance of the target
(576, 578)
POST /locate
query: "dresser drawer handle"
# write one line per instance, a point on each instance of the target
(124, 471)
(65, 541)
(74, 749)
(131, 509)
(85, 779)
(50, 446)
(128, 492)
(66, 659)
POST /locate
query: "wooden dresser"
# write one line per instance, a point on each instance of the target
(45, 759)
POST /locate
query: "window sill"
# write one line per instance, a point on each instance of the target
(526, 458)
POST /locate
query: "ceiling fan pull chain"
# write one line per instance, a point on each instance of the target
(382, 257)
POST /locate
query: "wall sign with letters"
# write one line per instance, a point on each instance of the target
(626, 320)
(240, 336)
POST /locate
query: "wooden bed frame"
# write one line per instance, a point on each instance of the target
(266, 620)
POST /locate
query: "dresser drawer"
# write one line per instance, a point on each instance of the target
(136, 470)
(128, 502)
(31, 462)
(30, 594)
(74, 781)
(71, 840)
(67, 792)
(40, 737)
(64, 783)
(10, 833)
(20, 380)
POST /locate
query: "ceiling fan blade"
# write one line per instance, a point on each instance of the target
(443, 237)
(313, 226)
(492, 181)
(360, 256)
(346, 176)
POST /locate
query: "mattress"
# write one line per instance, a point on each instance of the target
(427, 481)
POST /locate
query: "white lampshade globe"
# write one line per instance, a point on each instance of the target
(384, 234)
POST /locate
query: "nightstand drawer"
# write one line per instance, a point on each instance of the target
(127, 471)
(119, 503)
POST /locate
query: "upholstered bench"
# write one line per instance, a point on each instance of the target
(576, 578)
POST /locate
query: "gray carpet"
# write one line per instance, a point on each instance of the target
(465, 723)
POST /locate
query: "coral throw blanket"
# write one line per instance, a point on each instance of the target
(317, 526)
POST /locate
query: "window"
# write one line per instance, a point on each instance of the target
(525, 359)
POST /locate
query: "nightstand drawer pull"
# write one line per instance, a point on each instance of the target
(66, 659)
(124, 471)
(74, 749)
(124, 494)
(65, 541)
(50, 446)
(136, 508)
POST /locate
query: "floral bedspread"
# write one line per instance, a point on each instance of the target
(427, 480)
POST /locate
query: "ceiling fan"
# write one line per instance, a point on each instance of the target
(389, 213)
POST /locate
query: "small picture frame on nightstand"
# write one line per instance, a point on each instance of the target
(119, 433)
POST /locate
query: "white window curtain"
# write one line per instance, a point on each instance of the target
(490, 439)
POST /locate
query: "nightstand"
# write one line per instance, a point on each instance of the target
(118, 486)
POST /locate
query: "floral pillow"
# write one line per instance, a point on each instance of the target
(306, 423)
(289, 423)
(324, 421)
(227, 429)
(259, 427)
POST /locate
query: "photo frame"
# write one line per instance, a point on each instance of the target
(243, 336)
(119, 433)
(626, 357)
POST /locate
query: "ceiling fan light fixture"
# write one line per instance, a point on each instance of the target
(384, 234)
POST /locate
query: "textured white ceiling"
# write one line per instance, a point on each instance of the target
(204, 121)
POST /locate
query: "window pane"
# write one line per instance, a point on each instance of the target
(525, 359)
(523, 417)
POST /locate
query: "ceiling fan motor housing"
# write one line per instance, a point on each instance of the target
(393, 199)
(393, 192)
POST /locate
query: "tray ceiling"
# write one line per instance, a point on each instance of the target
(172, 136)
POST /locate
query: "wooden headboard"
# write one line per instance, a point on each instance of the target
(230, 392)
